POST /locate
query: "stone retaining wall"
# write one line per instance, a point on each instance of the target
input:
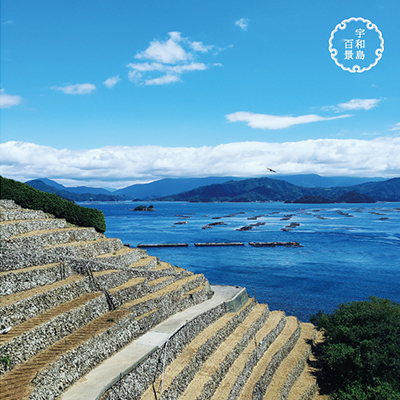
(9, 204)
(23, 310)
(86, 250)
(130, 293)
(17, 282)
(310, 392)
(160, 285)
(10, 211)
(168, 299)
(212, 385)
(182, 380)
(142, 375)
(13, 229)
(70, 367)
(126, 259)
(23, 347)
(75, 364)
(297, 370)
(41, 240)
(262, 346)
(261, 386)
(11, 259)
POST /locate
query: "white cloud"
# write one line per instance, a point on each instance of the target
(8, 100)
(187, 67)
(199, 46)
(264, 121)
(111, 82)
(79, 88)
(242, 23)
(8, 22)
(163, 80)
(167, 60)
(359, 104)
(396, 127)
(173, 72)
(124, 165)
(169, 52)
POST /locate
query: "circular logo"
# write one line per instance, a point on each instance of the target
(356, 45)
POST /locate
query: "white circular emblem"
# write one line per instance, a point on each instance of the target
(356, 45)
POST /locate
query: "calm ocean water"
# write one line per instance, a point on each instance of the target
(350, 252)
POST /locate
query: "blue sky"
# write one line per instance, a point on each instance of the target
(116, 92)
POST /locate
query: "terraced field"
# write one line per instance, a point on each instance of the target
(85, 317)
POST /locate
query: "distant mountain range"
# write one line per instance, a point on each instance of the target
(168, 186)
(274, 188)
(78, 189)
(268, 189)
(66, 193)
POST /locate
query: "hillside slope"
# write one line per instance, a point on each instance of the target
(168, 186)
(74, 196)
(268, 189)
(86, 317)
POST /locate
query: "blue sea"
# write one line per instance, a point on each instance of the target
(350, 251)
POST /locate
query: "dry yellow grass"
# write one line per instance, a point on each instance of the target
(303, 344)
(16, 384)
(37, 267)
(47, 316)
(80, 243)
(307, 378)
(130, 282)
(226, 384)
(120, 252)
(188, 353)
(141, 263)
(258, 371)
(162, 265)
(105, 272)
(146, 314)
(193, 291)
(14, 298)
(16, 221)
(43, 231)
(162, 292)
(159, 280)
(211, 365)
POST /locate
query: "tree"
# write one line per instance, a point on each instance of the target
(360, 355)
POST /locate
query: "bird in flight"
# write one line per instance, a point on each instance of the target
(269, 169)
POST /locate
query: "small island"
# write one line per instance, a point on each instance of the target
(144, 208)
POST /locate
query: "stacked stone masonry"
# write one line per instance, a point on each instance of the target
(71, 298)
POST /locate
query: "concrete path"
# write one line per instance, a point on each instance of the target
(100, 379)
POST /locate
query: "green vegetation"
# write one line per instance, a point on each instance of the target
(360, 356)
(268, 189)
(29, 197)
(5, 360)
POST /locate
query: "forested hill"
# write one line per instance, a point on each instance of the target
(267, 189)
(382, 191)
(40, 185)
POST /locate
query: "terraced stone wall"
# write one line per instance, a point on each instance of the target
(15, 282)
(296, 373)
(25, 346)
(11, 259)
(73, 365)
(142, 375)
(20, 311)
(262, 384)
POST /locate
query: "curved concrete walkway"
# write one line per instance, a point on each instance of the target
(101, 378)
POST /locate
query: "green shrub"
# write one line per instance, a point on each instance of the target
(28, 197)
(360, 356)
